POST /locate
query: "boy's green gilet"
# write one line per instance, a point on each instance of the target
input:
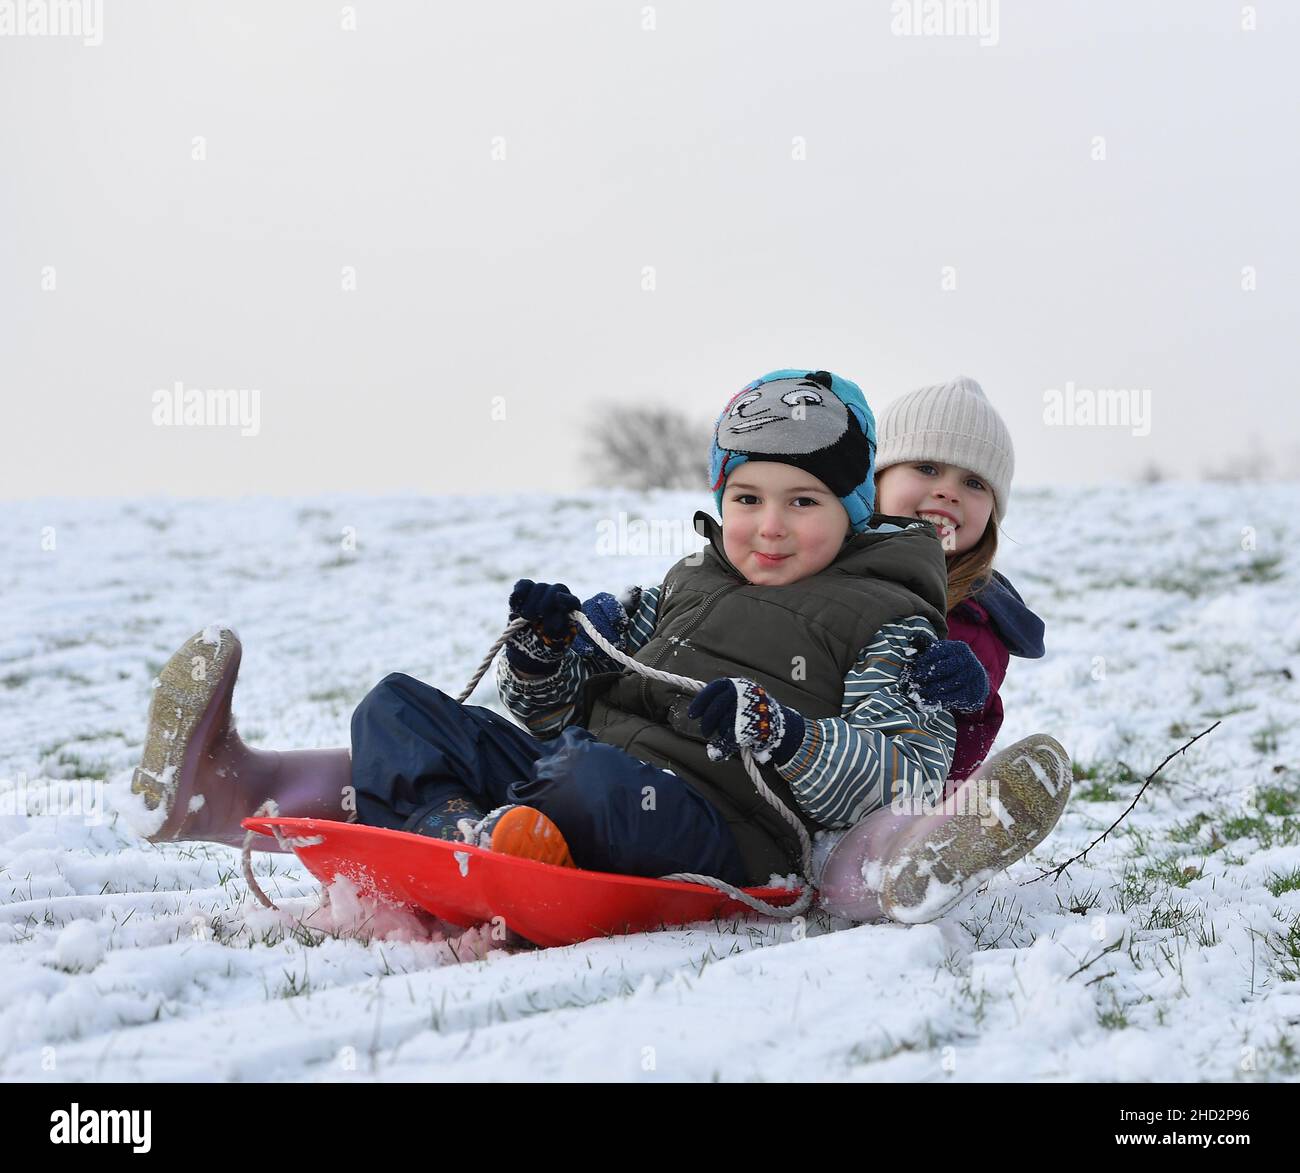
(798, 641)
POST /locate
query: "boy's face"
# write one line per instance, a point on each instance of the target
(955, 499)
(782, 511)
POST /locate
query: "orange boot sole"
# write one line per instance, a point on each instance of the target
(529, 834)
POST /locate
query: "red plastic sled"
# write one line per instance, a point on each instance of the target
(467, 886)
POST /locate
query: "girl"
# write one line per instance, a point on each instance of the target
(801, 612)
(946, 458)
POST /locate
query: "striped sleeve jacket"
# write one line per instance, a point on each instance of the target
(883, 745)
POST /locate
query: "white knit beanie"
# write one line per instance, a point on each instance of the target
(952, 423)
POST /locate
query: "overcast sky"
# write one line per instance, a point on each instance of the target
(796, 182)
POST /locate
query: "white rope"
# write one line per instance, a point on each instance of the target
(269, 810)
(687, 684)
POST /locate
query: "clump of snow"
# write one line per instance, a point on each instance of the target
(77, 947)
(346, 909)
(211, 634)
(130, 807)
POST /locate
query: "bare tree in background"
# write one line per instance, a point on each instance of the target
(655, 447)
(1254, 461)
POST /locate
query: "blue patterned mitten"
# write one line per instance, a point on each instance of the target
(735, 712)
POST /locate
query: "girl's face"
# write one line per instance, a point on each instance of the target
(779, 523)
(955, 499)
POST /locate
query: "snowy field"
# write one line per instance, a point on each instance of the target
(1171, 953)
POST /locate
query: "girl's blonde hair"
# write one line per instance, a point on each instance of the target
(968, 572)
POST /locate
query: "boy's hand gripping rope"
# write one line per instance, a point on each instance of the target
(684, 682)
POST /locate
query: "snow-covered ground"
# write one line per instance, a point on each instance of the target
(1173, 952)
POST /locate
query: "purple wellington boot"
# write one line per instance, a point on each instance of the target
(207, 780)
(849, 885)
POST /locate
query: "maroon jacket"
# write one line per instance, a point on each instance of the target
(997, 625)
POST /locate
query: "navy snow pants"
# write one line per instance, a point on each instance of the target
(414, 747)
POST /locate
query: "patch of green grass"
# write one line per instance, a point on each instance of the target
(1136, 887)
(294, 987)
(868, 1053)
(331, 694)
(1190, 831)
(1272, 816)
(82, 766)
(1165, 915)
(1005, 922)
(1285, 1049)
(1277, 800)
(1113, 1018)
(1265, 829)
(1279, 882)
(978, 999)
(1285, 947)
(1103, 778)
(1146, 876)
(1169, 871)
(238, 935)
(1244, 827)
(1203, 936)
(1265, 740)
(1231, 710)
(1187, 580)
(414, 525)
(1261, 568)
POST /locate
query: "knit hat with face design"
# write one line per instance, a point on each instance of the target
(812, 419)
